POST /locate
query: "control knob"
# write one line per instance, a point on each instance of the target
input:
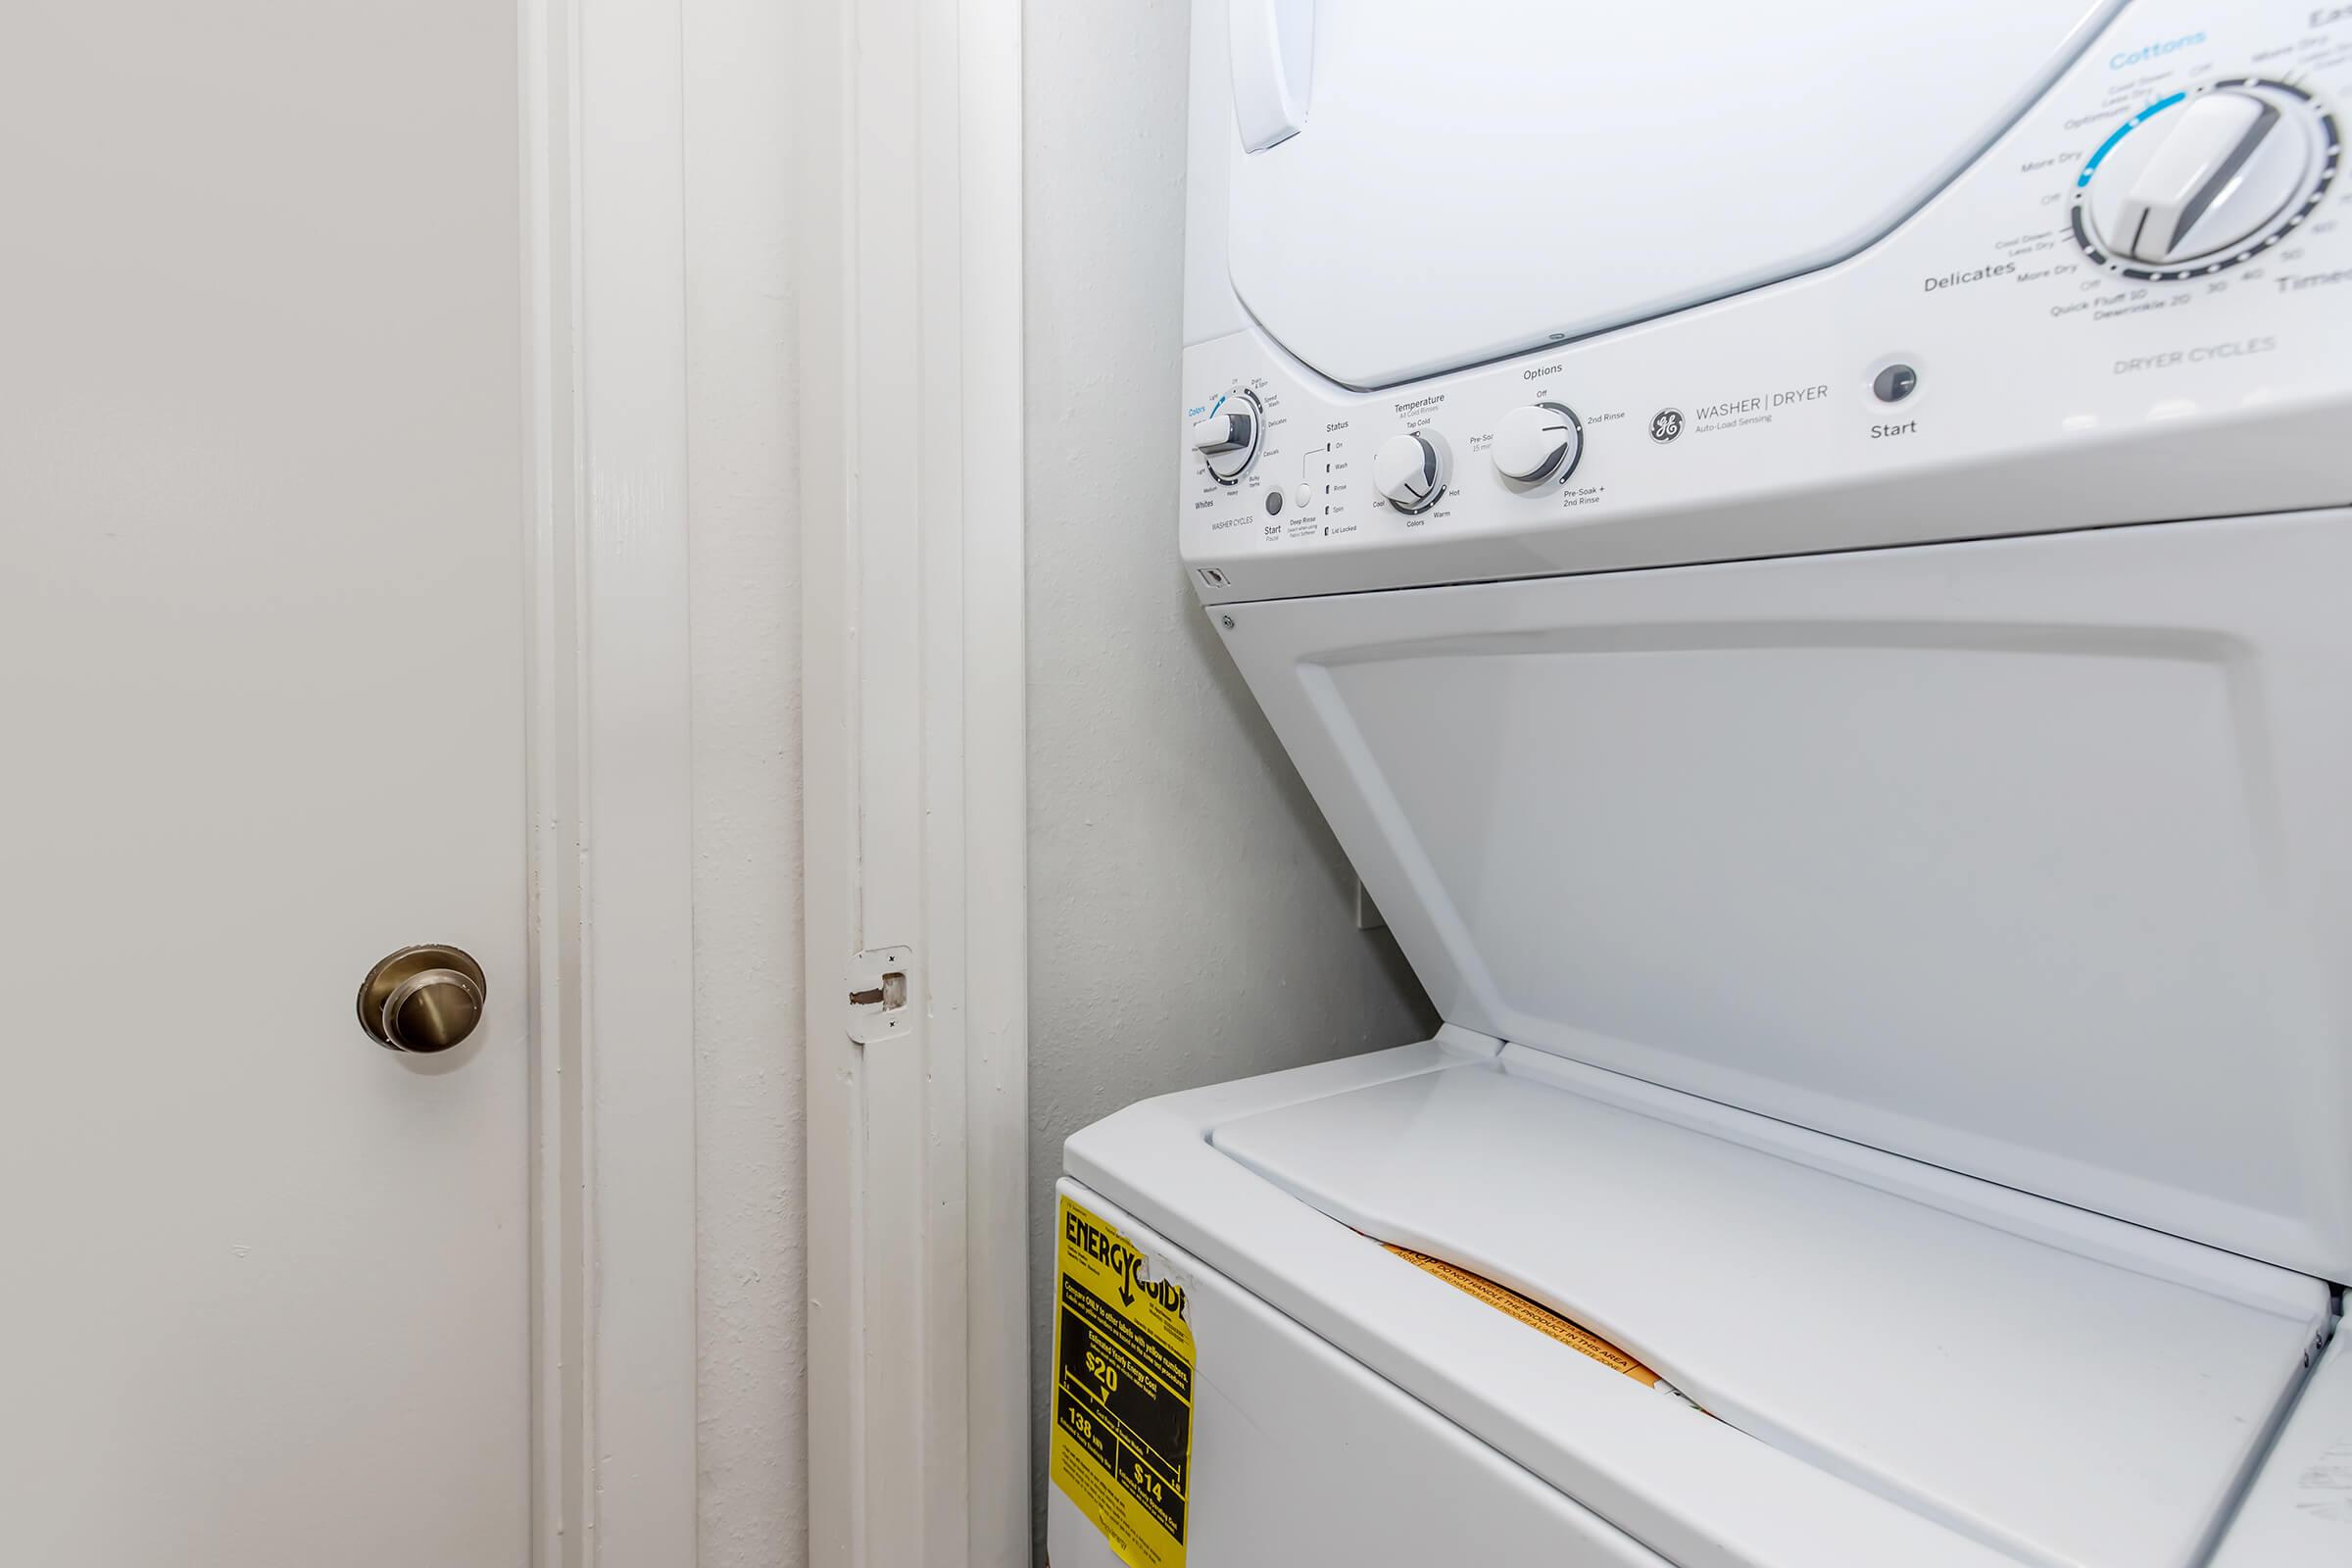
(2206, 179)
(1228, 436)
(1411, 470)
(1537, 442)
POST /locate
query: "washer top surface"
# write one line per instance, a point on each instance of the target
(2061, 1388)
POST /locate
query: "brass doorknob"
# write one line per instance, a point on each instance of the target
(422, 999)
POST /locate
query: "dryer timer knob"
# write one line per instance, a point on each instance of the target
(1411, 470)
(2205, 179)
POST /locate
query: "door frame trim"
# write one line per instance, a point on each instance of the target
(915, 744)
(610, 923)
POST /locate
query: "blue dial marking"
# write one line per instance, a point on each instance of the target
(2107, 145)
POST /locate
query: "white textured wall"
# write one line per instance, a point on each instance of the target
(752, 1446)
(1190, 916)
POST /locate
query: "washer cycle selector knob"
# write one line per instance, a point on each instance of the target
(1223, 432)
(1411, 470)
(1538, 441)
(1227, 437)
(2205, 179)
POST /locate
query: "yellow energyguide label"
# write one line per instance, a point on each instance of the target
(1122, 1392)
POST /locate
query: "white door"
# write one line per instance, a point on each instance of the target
(264, 1291)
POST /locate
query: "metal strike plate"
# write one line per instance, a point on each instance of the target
(881, 981)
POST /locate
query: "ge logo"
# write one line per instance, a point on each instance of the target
(1666, 424)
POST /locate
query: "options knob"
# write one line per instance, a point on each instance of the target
(1411, 470)
(2203, 180)
(1537, 442)
(1228, 436)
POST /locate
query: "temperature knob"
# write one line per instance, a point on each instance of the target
(2205, 179)
(1227, 437)
(1537, 442)
(1411, 470)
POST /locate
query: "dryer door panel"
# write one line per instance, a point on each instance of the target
(1474, 180)
(2027, 857)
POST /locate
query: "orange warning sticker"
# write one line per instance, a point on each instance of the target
(1542, 1319)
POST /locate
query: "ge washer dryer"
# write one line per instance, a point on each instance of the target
(1803, 551)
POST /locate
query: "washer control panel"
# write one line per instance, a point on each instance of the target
(2137, 305)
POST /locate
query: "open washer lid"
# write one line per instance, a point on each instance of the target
(2030, 858)
(1468, 181)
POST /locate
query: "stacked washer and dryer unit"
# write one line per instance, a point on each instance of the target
(1803, 551)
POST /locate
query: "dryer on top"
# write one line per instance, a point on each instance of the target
(1403, 198)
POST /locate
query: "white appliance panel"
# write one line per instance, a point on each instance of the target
(2298, 1513)
(2008, 878)
(1966, 1352)
(2043, 383)
(1699, 1492)
(1301, 1456)
(2023, 857)
(1472, 182)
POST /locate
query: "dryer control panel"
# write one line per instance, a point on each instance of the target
(2136, 306)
